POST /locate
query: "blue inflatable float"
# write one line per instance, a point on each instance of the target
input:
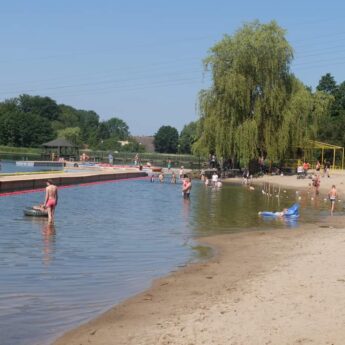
(290, 213)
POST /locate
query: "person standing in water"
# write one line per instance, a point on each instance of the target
(51, 200)
(332, 197)
(173, 178)
(186, 187)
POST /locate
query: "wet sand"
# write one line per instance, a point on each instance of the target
(265, 287)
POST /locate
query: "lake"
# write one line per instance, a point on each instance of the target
(109, 242)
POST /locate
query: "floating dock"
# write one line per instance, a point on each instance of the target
(38, 181)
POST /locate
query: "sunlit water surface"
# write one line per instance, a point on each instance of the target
(109, 241)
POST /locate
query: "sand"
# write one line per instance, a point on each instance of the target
(264, 287)
(337, 178)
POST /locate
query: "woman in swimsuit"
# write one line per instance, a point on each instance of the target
(51, 200)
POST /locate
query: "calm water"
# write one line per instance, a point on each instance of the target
(108, 243)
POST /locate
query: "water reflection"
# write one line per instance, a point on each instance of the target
(235, 207)
(48, 238)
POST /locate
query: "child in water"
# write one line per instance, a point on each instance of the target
(332, 197)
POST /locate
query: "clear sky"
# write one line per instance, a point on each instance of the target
(142, 60)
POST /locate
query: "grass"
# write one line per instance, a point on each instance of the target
(22, 150)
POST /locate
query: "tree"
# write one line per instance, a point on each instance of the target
(166, 140)
(72, 134)
(256, 106)
(88, 123)
(188, 136)
(117, 128)
(332, 128)
(42, 106)
(18, 128)
(24, 129)
(327, 84)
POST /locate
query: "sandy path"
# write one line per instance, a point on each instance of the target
(277, 287)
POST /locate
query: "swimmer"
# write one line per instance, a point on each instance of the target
(51, 200)
(161, 178)
(332, 197)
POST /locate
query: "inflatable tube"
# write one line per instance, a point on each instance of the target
(291, 213)
(277, 215)
(35, 213)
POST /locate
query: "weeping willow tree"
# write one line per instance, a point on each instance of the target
(256, 106)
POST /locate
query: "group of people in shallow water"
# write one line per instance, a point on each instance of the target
(183, 178)
(214, 182)
(316, 182)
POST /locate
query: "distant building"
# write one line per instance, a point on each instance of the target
(147, 142)
(123, 142)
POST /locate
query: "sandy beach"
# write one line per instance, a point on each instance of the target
(336, 177)
(264, 287)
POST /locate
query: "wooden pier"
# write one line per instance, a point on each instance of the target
(37, 181)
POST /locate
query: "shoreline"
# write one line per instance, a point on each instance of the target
(218, 300)
(255, 285)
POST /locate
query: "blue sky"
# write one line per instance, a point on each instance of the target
(142, 60)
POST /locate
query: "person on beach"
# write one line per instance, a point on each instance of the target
(305, 168)
(326, 167)
(51, 200)
(110, 158)
(186, 187)
(136, 159)
(332, 197)
(318, 166)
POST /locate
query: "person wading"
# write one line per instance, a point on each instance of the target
(51, 200)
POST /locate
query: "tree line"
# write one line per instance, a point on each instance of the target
(30, 121)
